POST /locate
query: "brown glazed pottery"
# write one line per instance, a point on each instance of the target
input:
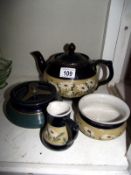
(73, 74)
(102, 116)
(60, 130)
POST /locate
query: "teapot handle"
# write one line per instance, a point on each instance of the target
(109, 65)
(72, 129)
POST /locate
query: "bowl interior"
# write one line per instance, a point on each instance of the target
(104, 108)
(58, 108)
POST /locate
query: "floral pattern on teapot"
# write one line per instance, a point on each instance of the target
(73, 88)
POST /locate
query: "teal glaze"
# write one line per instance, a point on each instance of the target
(27, 120)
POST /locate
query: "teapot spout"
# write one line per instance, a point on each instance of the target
(40, 61)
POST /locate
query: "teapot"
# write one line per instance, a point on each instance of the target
(73, 74)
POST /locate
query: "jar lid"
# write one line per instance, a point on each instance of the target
(33, 93)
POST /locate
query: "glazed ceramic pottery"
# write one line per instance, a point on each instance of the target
(73, 74)
(60, 131)
(5, 70)
(102, 116)
(27, 104)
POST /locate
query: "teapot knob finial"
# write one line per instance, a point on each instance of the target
(69, 48)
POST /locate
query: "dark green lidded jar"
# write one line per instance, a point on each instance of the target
(28, 101)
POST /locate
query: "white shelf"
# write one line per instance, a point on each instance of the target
(22, 151)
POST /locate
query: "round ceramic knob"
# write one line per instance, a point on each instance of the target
(71, 48)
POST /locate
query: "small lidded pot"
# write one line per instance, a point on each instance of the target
(102, 116)
(28, 101)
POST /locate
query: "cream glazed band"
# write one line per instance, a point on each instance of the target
(99, 133)
(73, 88)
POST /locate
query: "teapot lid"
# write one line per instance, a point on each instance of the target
(71, 59)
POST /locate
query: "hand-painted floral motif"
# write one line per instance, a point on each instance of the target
(65, 85)
(73, 88)
(56, 136)
(99, 133)
(81, 87)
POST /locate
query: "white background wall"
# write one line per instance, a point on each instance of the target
(123, 45)
(46, 25)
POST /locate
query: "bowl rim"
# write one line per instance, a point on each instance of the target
(104, 123)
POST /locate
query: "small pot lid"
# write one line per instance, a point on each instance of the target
(33, 93)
